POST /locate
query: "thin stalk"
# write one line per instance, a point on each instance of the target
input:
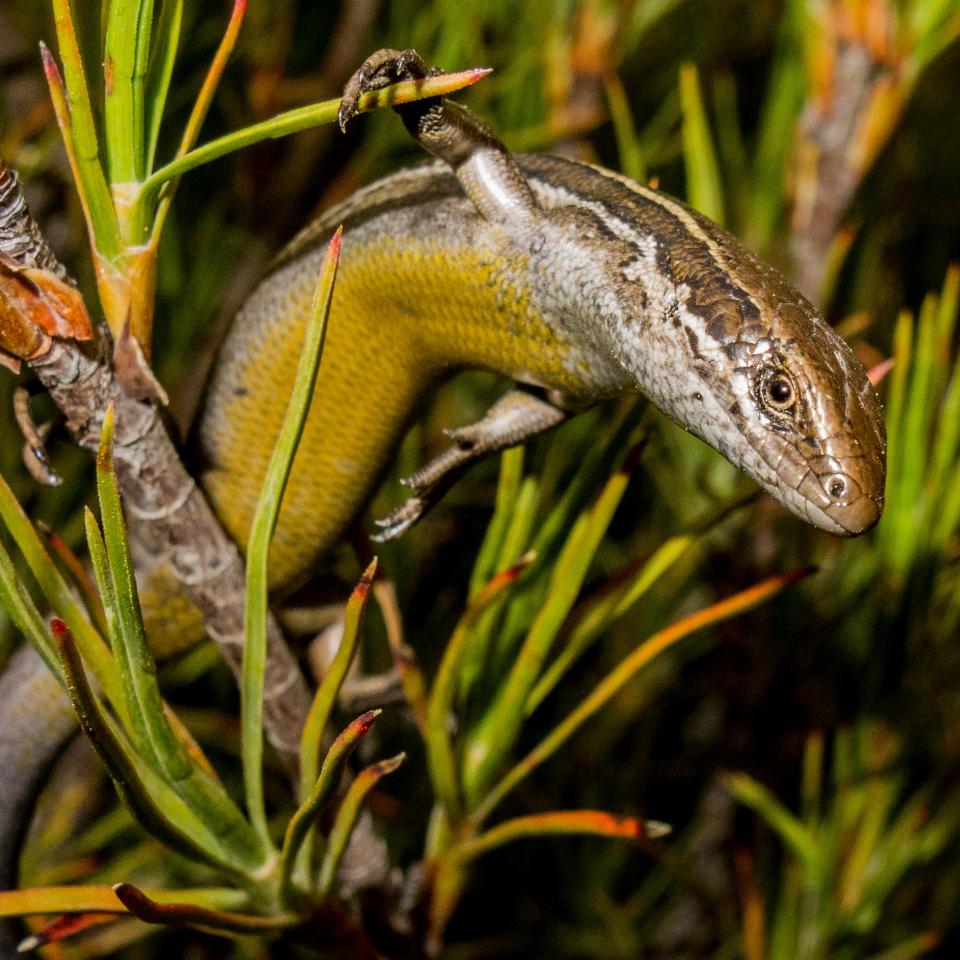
(258, 545)
(321, 794)
(157, 738)
(496, 733)
(127, 39)
(440, 752)
(71, 106)
(563, 823)
(327, 692)
(58, 594)
(167, 43)
(302, 118)
(346, 819)
(201, 106)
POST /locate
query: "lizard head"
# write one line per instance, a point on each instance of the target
(801, 417)
(724, 344)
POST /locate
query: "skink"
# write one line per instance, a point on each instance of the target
(573, 281)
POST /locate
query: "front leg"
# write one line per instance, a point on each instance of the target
(516, 417)
(485, 168)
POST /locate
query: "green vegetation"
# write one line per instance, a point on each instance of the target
(611, 628)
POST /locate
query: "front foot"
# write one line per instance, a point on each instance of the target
(516, 417)
(379, 70)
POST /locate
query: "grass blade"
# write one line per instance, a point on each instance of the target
(628, 668)
(71, 97)
(21, 609)
(58, 594)
(40, 901)
(561, 823)
(155, 805)
(326, 696)
(704, 186)
(346, 818)
(302, 118)
(607, 610)
(261, 532)
(755, 795)
(156, 737)
(201, 105)
(320, 795)
(495, 734)
(127, 40)
(440, 752)
(508, 487)
(161, 70)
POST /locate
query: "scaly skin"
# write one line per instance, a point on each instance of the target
(579, 304)
(574, 282)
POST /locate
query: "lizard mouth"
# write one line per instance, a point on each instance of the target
(841, 496)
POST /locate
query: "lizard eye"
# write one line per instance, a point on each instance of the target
(778, 392)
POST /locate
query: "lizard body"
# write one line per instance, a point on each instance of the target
(571, 280)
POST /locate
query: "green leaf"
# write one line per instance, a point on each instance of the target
(596, 823)
(201, 106)
(154, 803)
(606, 610)
(326, 695)
(59, 596)
(704, 185)
(319, 796)
(440, 752)
(161, 70)
(303, 118)
(508, 487)
(125, 64)
(71, 98)
(626, 670)
(89, 899)
(153, 733)
(496, 733)
(755, 795)
(261, 532)
(632, 161)
(347, 816)
(766, 197)
(20, 608)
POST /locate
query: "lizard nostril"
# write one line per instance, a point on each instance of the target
(837, 487)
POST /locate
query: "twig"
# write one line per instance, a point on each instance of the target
(168, 515)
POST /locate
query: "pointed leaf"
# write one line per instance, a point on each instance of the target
(347, 818)
(569, 822)
(321, 794)
(261, 532)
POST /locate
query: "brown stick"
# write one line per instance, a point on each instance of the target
(167, 512)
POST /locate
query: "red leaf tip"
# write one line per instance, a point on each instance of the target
(50, 68)
(477, 73)
(335, 243)
(366, 720)
(363, 586)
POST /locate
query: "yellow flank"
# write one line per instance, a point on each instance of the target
(172, 622)
(405, 311)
